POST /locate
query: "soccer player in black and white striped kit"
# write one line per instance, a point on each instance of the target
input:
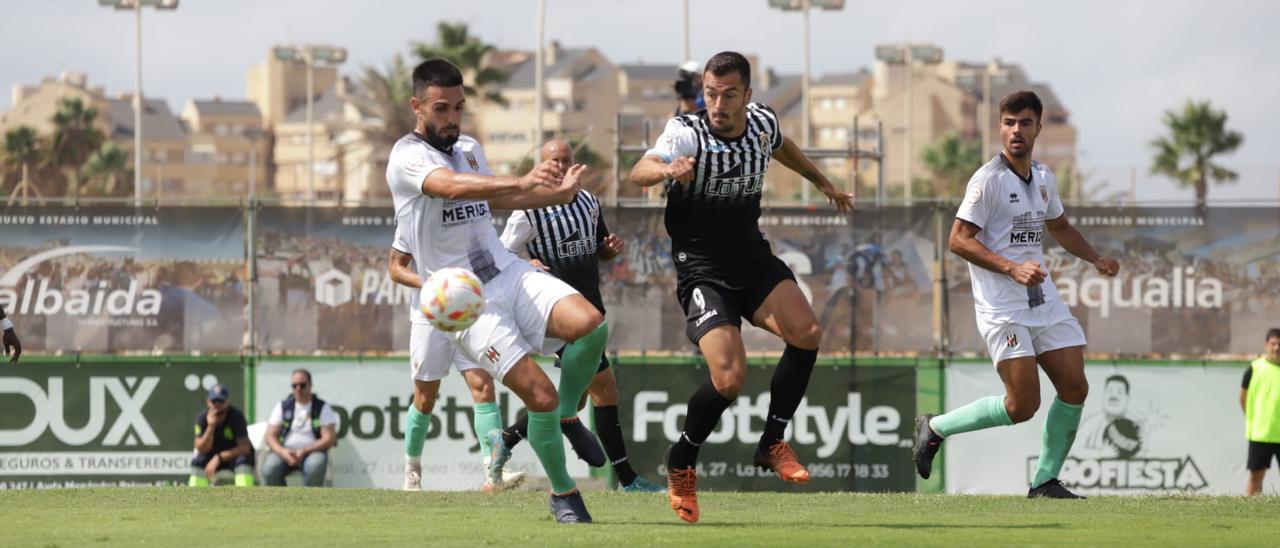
(713, 164)
(571, 241)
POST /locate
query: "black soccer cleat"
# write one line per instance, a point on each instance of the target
(927, 444)
(570, 508)
(1052, 489)
(584, 443)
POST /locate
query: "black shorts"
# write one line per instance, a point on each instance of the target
(604, 360)
(715, 293)
(1261, 453)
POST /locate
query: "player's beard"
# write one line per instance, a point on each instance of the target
(435, 139)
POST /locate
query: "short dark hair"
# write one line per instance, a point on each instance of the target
(435, 72)
(1018, 101)
(304, 372)
(1274, 332)
(725, 62)
(1120, 379)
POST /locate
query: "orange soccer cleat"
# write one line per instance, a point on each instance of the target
(781, 459)
(682, 491)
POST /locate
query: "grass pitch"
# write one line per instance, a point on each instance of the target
(347, 517)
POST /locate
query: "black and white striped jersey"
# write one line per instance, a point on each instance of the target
(566, 238)
(719, 210)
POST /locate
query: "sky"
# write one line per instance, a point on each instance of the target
(1116, 65)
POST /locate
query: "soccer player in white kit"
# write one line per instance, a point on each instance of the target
(1008, 204)
(443, 189)
(402, 270)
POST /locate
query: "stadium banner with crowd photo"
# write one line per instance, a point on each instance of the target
(115, 279)
(1191, 283)
(372, 397)
(126, 421)
(322, 283)
(1146, 429)
(873, 261)
(852, 430)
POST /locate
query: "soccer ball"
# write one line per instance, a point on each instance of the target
(452, 299)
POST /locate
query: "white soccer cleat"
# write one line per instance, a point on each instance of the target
(510, 480)
(412, 478)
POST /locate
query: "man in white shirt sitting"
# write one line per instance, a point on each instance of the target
(300, 433)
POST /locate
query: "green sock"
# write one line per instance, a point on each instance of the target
(415, 435)
(548, 444)
(1059, 433)
(486, 418)
(578, 366)
(984, 413)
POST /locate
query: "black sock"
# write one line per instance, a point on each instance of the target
(610, 433)
(705, 407)
(512, 435)
(786, 389)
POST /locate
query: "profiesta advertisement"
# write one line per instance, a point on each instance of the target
(852, 430)
(110, 279)
(118, 423)
(1145, 430)
(372, 399)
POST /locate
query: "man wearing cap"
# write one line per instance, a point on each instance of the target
(222, 442)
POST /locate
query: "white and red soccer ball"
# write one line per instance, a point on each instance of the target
(452, 299)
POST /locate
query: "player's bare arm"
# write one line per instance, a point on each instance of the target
(398, 269)
(611, 247)
(1073, 241)
(451, 185)
(651, 170)
(791, 156)
(964, 242)
(561, 191)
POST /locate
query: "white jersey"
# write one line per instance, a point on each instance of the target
(1010, 212)
(443, 233)
(415, 309)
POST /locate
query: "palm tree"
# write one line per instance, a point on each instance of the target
(386, 96)
(1195, 136)
(109, 167)
(75, 137)
(455, 44)
(21, 146)
(952, 162)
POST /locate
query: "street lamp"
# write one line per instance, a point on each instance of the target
(907, 55)
(803, 6)
(136, 7)
(308, 55)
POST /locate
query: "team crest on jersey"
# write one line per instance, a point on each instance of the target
(766, 139)
(471, 161)
(735, 182)
(1044, 193)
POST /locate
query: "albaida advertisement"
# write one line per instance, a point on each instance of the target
(67, 424)
(852, 430)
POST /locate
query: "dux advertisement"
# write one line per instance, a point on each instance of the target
(1145, 430)
(79, 425)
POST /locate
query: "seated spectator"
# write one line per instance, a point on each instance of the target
(300, 432)
(222, 442)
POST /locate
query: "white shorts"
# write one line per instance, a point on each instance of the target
(517, 307)
(1031, 332)
(431, 352)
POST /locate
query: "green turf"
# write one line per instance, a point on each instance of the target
(228, 516)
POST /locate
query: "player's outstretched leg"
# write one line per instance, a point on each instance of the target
(1065, 368)
(786, 313)
(578, 365)
(604, 405)
(727, 361)
(528, 381)
(415, 434)
(1022, 385)
(487, 419)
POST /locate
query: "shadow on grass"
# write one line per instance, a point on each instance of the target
(898, 526)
